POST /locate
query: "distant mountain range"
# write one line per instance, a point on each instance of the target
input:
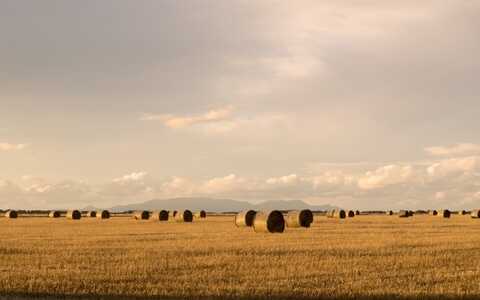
(217, 205)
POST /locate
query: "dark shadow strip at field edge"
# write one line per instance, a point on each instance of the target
(25, 296)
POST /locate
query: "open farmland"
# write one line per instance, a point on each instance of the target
(359, 258)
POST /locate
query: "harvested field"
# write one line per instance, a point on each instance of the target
(385, 257)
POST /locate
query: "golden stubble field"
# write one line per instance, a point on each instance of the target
(367, 257)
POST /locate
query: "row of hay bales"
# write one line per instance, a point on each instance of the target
(274, 221)
(70, 214)
(245, 218)
(405, 213)
(401, 213)
(444, 213)
(77, 215)
(162, 215)
(174, 215)
(341, 214)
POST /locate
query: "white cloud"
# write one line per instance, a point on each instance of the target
(223, 184)
(135, 176)
(384, 176)
(48, 195)
(454, 166)
(334, 178)
(457, 150)
(128, 187)
(39, 188)
(285, 180)
(393, 186)
(259, 127)
(12, 147)
(177, 187)
(175, 122)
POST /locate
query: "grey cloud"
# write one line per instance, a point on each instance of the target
(310, 81)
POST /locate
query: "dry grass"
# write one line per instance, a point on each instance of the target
(359, 258)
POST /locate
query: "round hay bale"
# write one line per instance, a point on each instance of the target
(339, 213)
(351, 214)
(475, 214)
(73, 214)
(463, 212)
(11, 214)
(201, 214)
(389, 213)
(433, 213)
(54, 214)
(184, 216)
(245, 218)
(172, 214)
(269, 221)
(404, 214)
(445, 213)
(103, 214)
(91, 214)
(299, 218)
(141, 215)
(357, 212)
(159, 215)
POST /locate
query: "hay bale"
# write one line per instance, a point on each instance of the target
(351, 214)
(159, 215)
(201, 214)
(302, 218)
(339, 213)
(184, 216)
(475, 214)
(54, 214)
(245, 218)
(11, 214)
(389, 213)
(103, 214)
(445, 213)
(357, 212)
(433, 213)
(463, 212)
(404, 214)
(73, 215)
(91, 214)
(141, 215)
(172, 214)
(269, 221)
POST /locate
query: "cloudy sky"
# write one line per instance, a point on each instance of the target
(361, 104)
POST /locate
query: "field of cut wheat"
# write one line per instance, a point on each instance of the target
(366, 257)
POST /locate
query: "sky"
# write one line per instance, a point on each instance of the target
(358, 104)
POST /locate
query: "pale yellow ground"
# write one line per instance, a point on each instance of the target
(360, 258)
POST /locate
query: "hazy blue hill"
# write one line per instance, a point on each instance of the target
(90, 208)
(217, 205)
